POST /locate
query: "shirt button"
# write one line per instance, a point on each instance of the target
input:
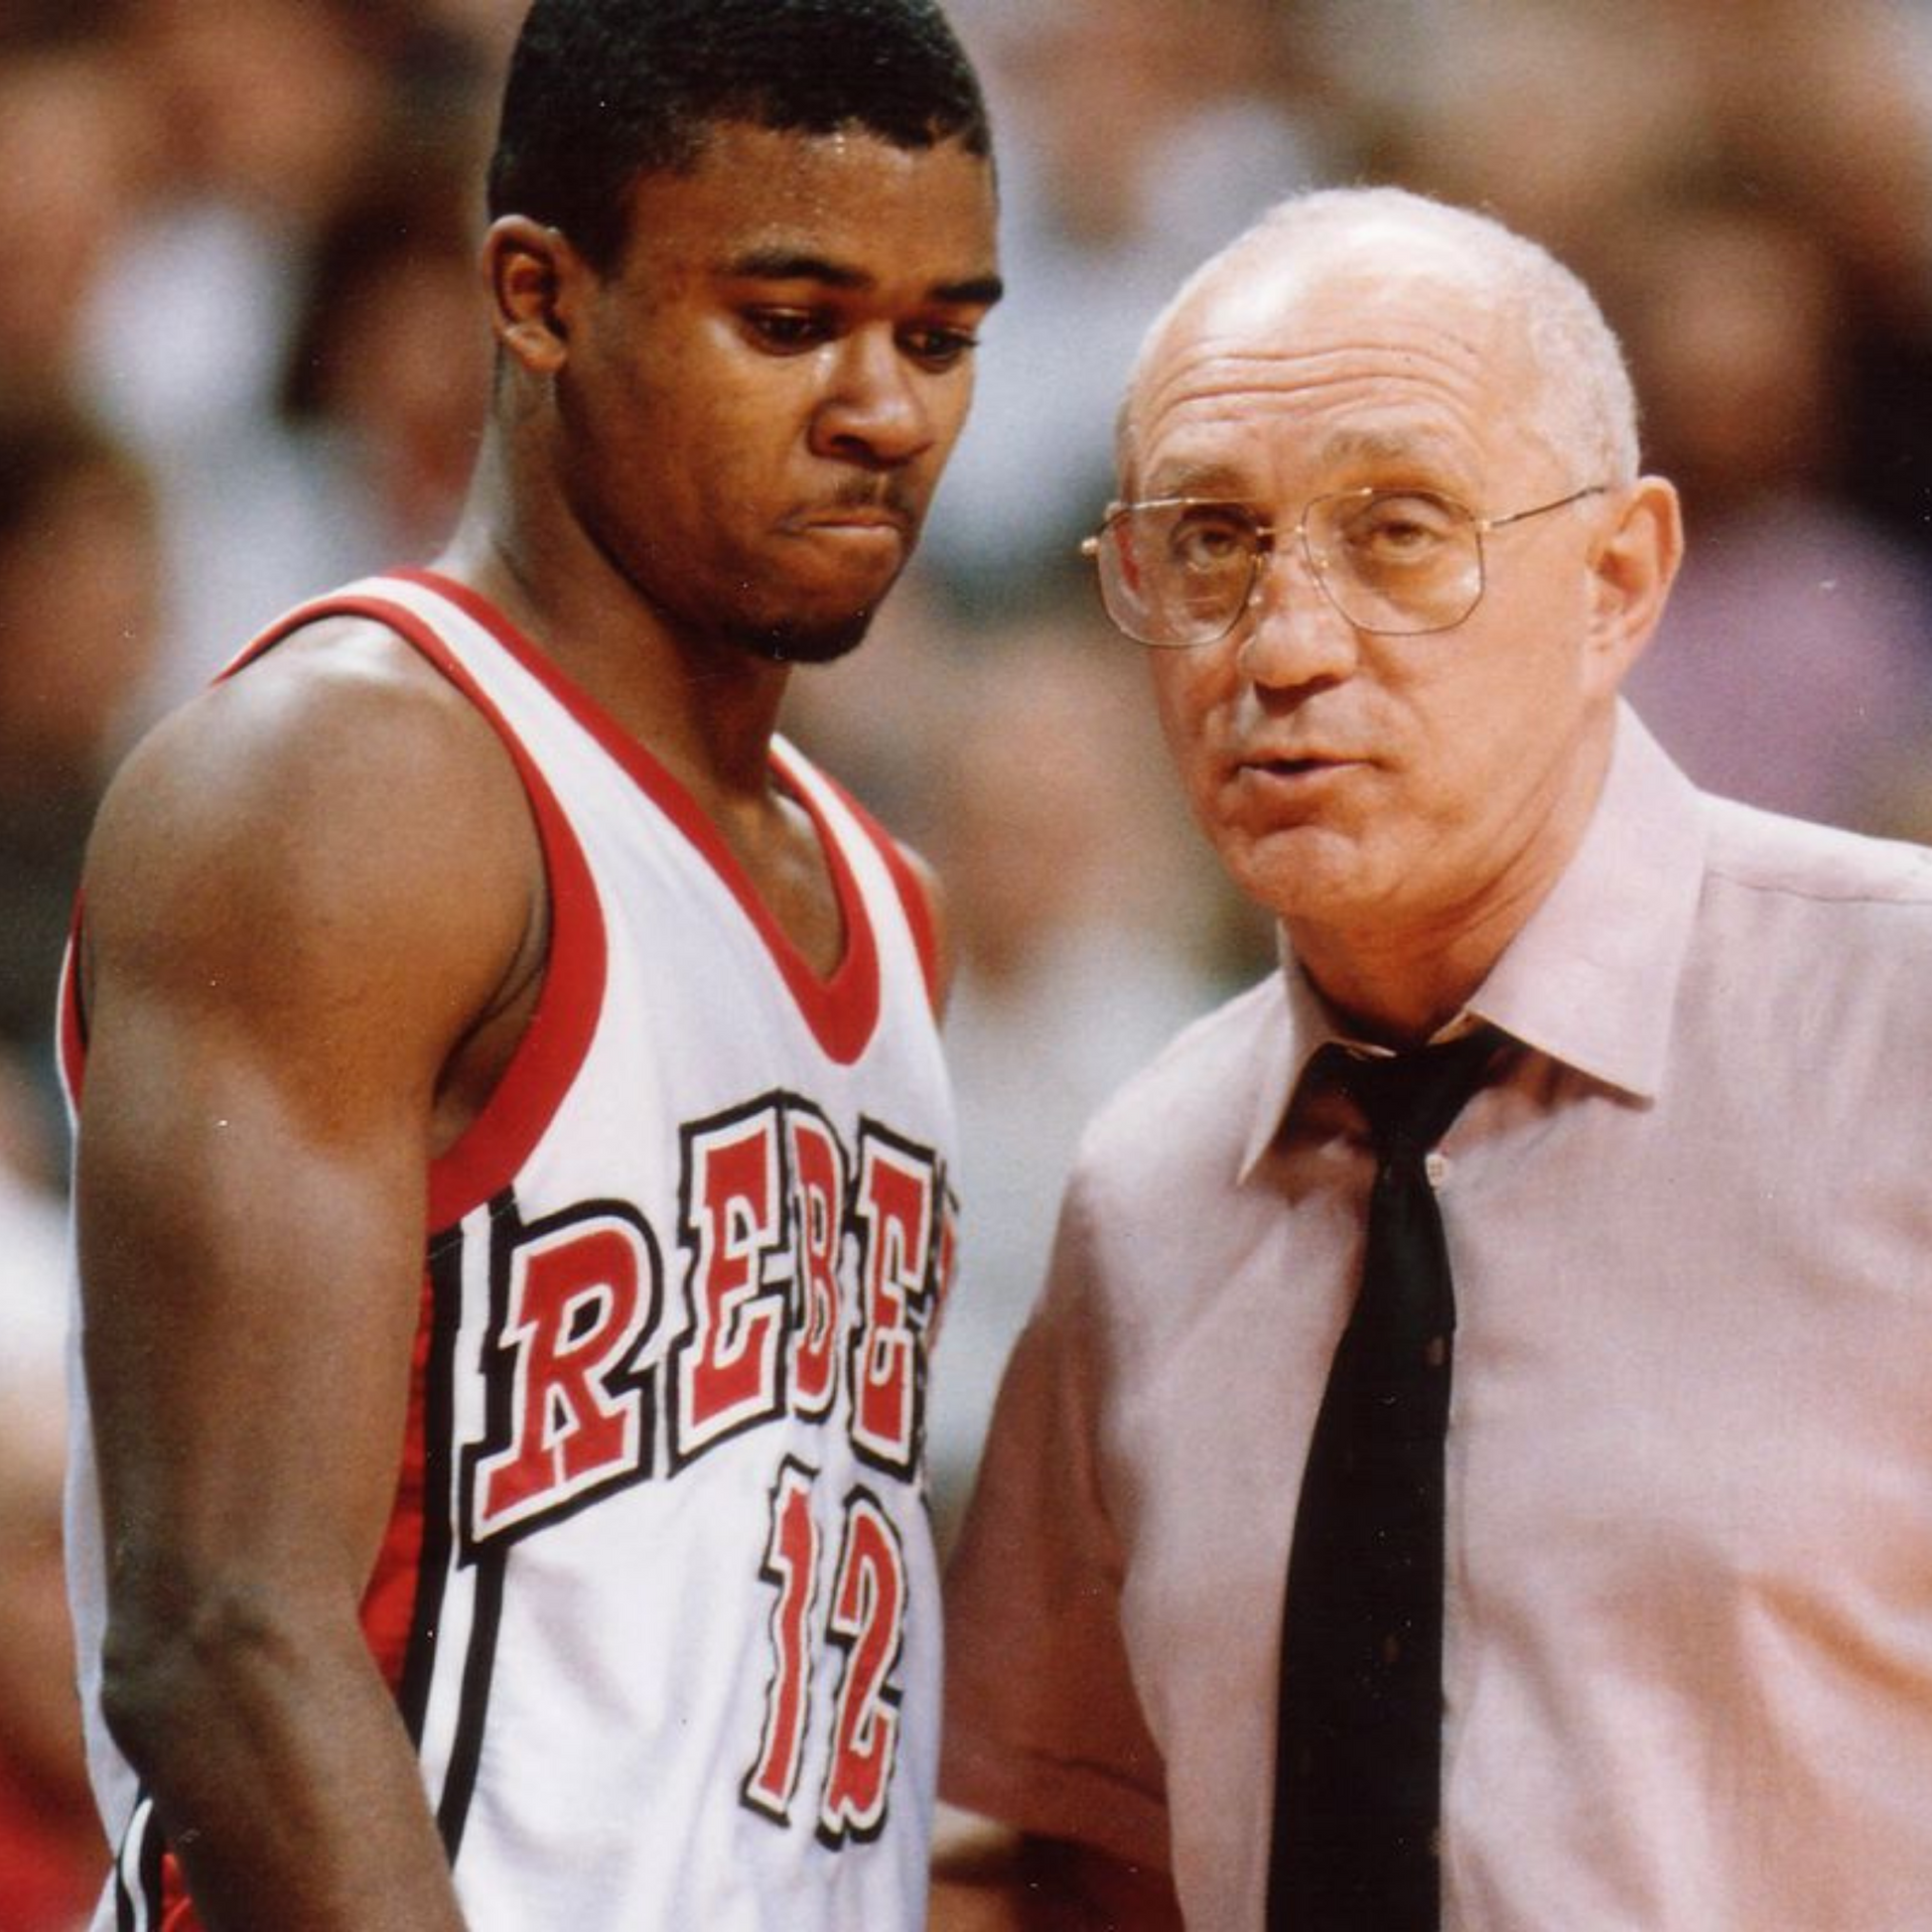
(1436, 1165)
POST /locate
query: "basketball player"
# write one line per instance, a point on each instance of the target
(513, 1143)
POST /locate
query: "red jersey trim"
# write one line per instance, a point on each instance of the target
(176, 1908)
(72, 1045)
(388, 1609)
(842, 1007)
(495, 1145)
(913, 897)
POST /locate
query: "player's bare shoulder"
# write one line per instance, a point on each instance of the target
(333, 829)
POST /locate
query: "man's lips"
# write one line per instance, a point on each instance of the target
(1293, 764)
(867, 519)
(870, 539)
(870, 513)
(869, 543)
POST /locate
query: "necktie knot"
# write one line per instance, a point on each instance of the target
(1411, 1098)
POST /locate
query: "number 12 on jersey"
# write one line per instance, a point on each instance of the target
(865, 1618)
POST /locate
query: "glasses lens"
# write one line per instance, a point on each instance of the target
(1397, 561)
(1177, 574)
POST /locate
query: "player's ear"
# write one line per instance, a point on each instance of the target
(531, 271)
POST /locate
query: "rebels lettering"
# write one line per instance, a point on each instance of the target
(735, 1224)
(576, 1298)
(810, 1276)
(895, 1211)
(769, 1221)
(818, 1205)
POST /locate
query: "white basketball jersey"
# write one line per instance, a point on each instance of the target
(658, 1602)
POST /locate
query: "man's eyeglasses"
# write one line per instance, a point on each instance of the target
(1178, 571)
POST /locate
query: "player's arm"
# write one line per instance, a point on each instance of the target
(300, 895)
(987, 1878)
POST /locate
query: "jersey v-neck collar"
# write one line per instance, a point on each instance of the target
(839, 1006)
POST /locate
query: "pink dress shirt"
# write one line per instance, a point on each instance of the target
(1689, 1669)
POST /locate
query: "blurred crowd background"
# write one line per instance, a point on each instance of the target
(241, 359)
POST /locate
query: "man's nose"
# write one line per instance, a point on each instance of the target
(1291, 634)
(875, 411)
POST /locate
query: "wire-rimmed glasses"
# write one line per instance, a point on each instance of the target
(1178, 571)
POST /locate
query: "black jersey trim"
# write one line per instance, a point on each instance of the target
(445, 1270)
(485, 1611)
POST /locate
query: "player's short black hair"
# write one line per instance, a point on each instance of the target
(602, 92)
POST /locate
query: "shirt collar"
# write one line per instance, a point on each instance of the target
(1591, 978)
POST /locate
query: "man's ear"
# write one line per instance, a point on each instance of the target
(1632, 569)
(531, 271)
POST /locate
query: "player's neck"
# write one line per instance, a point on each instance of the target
(705, 711)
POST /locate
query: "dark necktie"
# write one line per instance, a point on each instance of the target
(1358, 1771)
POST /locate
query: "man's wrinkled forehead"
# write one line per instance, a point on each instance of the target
(1268, 315)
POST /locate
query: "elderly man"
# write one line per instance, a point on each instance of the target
(1470, 1464)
